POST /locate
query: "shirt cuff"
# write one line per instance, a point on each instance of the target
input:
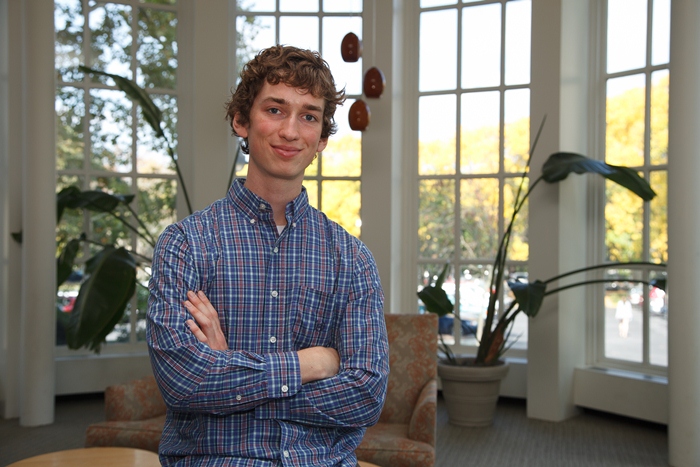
(283, 375)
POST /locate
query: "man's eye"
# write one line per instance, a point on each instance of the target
(274, 110)
(310, 118)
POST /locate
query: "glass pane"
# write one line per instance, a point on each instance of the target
(627, 34)
(346, 75)
(312, 192)
(256, 5)
(518, 249)
(69, 23)
(152, 152)
(342, 6)
(518, 34)
(623, 224)
(242, 164)
(480, 132)
(623, 319)
(141, 304)
(481, 46)
(427, 275)
(436, 218)
(110, 130)
(299, 5)
(661, 32)
(253, 33)
(516, 144)
(104, 228)
(343, 155)
(624, 131)
(473, 301)
(438, 50)
(340, 201)
(479, 218)
(299, 31)
(659, 117)
(658, 218)
(110, 34)
(437, 121)
(122, 330)
(157, 53)
(658, 323)
(70, 142)
(156, 208)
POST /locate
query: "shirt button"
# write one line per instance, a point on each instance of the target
(294, 224)
(274, 294)
(275, 249)
(286, 453)
(252, 221)
(238, 397)
(262, 206)
(273, 339)
(285, 388)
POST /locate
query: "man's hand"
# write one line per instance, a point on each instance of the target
(317, 363)
(207, 329)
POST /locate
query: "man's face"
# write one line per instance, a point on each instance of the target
(284, 133)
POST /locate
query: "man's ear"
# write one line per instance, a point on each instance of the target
(322, 144)
(240, 129)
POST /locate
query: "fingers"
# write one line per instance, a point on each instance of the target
(205, 326)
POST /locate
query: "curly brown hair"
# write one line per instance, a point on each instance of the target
(292, 66)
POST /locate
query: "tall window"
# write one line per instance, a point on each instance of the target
(474, 126)
(635, 80)
(103, 142)
(333, 180)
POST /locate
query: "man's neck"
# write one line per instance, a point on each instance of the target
(278, 195)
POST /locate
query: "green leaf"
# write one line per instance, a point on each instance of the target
(100, 305)
(528, 295)
(559, 165)
(64, 262)
(436, 300)
(151, 112)
(65, 199)
(659, 283)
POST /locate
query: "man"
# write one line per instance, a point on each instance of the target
(265, 322)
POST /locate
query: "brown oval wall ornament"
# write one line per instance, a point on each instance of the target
(374, 83)
(351, 48)
(358, 116)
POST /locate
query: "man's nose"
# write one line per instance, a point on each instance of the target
(290, 129)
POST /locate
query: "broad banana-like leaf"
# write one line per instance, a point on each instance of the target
(528, 295)
(435, 298)
(559, 165)
(64, 262)
(93, 200)
(151, 112)
(110, 284)
(64, 199)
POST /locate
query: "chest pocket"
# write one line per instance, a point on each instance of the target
(316, 318)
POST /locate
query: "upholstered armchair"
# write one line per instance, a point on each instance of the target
(135, 417)
(405, 434)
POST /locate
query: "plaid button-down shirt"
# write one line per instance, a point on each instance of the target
(313, 284)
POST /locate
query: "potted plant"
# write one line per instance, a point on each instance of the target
(110, 274)
(487, 367)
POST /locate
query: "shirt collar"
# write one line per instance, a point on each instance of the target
(253, 205)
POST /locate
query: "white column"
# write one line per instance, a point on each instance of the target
(38, 327)
(684, 235)
(376, 144)
(556, 341)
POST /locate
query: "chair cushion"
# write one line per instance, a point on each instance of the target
(388, 445)
(135, 400)
(141, 434)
